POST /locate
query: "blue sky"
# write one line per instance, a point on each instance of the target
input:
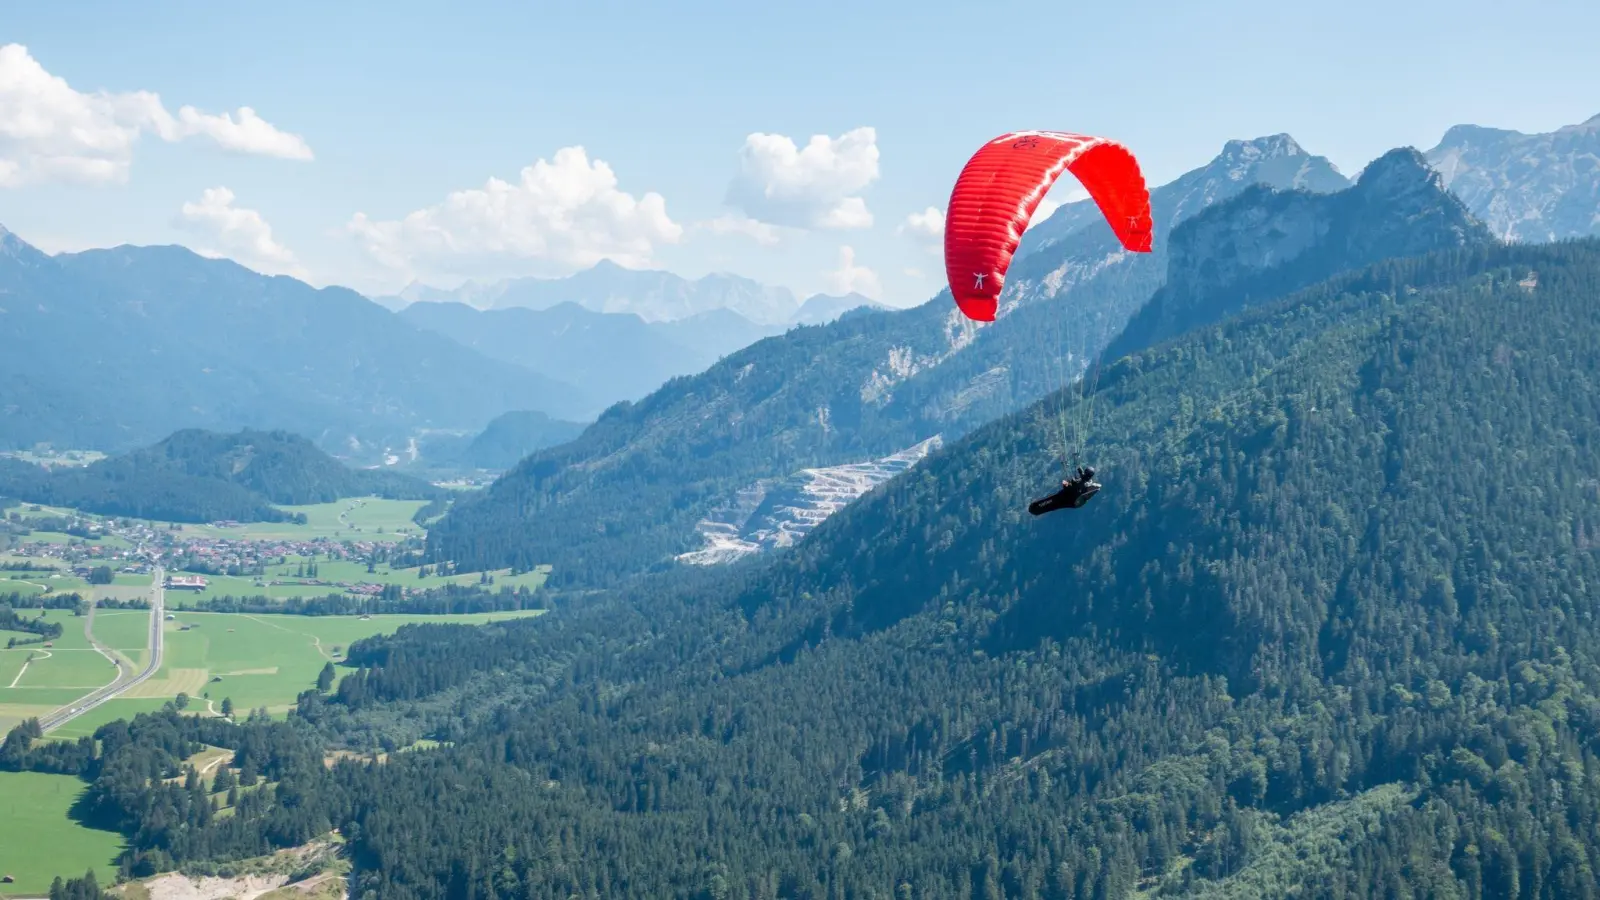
(399, 105)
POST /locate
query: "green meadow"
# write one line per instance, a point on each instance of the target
(263, 660)
(39, 839)
(364, 517)
(36, 679)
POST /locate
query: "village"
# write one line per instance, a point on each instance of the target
(135, 547)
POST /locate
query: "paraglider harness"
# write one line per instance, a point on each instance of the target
(1073, 494)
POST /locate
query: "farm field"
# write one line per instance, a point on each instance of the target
(35, 680)
(39, 839)
(127, 630)
(364, 517)
(254, 660)
(110, 711)
(262, 660)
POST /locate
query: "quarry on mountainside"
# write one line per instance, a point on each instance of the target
(779, 512)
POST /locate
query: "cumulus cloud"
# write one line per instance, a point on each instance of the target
(1059, 196)
(559, 216)
(1047, 208)
(816, 186)
(928, 224)
(760, 232)
(50, 131)
(852, 277)
(248, 134)
(238, 233)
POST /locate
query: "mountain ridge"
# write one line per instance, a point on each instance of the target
(217, 345)
(653, 295)
(1530, 187)
(614, 356)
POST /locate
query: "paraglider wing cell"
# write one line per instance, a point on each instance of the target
(1001, 187)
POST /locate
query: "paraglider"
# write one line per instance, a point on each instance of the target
(1073, 494)
(1000, 188)
(992, 205)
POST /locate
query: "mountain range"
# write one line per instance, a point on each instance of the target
(651, 295)
(113, 349)
(1526, 187)
(627, 495)
(616, 356)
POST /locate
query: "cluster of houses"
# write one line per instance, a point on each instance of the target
(142, 546)
(223, 554)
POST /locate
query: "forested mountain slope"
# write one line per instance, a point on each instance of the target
(626, 496)
(1326, 633)
(202, 476)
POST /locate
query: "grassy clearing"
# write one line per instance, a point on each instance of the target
(109, 711)
(56, 675)
(39, 840)
(123, 629)
(361, 517)
(37, 583)
(85, 669)
(72, 636)
(20, 585)
(264, 660)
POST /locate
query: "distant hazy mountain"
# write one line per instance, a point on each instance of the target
(653, 296)
(820, 309)
(613, 356)
(111, 349)
(202, 476)
(514, 435)
(1526, 187)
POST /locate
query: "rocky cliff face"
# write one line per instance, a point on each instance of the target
(1526, 187)
(1266, 243)
(1275, 160)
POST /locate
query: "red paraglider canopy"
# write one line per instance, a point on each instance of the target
(1001, 186)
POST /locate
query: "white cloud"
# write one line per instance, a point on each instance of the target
(926, 224)
(1047, 208)
(249, 134)
(760, 232)
(238, 233)
(815, 187)
(51, 132)
(560, 216)
(1051, 203)
(850, 277)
